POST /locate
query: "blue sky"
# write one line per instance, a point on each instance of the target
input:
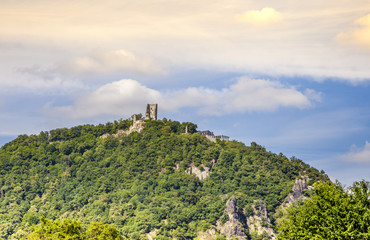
(291, 76)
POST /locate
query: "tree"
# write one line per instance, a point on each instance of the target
(99, 231)
(48, 229)
(71, 229)
(331, 213)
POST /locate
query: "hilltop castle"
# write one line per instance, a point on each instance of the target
(151, 111)
(151, 114)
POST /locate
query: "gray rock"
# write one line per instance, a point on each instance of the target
(260, 223)
(197, 172)
(233, 227)
(298, 187)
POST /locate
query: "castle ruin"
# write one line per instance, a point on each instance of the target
(151, 112)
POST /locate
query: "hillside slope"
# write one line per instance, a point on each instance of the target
(142, 183)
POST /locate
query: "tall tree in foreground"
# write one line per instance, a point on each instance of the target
(331, 213)
(71, 229)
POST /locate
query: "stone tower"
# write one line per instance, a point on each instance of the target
(134, 118)
(151, 111)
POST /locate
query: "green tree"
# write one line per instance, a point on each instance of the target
(331, 213)
(71, 229)
(48, 229)
(99, 231)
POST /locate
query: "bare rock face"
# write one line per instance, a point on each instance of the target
(296, 195)
(152, 234)
(137, 126)
(201, 174)
(209, 234)
(259, 221)
(233, 227)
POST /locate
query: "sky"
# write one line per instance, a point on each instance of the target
(293, 76)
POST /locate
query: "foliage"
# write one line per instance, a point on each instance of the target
(69, 229)
(256, 236)
(331, 213)
(137, 182)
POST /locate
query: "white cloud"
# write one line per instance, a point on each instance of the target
(123, 97)
(98, 63)
(39, 81)
(126, 97)
(258, 94)
(80, 72)
(266, 16)
(359, 35)
(244, 95)
(358, 154)
(118, 61)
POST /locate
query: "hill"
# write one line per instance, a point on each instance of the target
(156, 182)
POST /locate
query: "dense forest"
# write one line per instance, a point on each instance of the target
(138, 183)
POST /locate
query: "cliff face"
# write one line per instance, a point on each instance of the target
(234, 226)
(259, 222)
(210, 234)
(201, 174)
(137, 126)
(299, 186)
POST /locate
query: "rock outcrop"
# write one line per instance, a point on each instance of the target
(299, 186)
(210, 234)
(201, 174)
(234, 227)
(259, 221)
(137, 126)
(151, 235)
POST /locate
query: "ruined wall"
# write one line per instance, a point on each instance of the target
(151, 111)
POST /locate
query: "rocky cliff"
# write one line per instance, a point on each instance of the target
(259, 223)
(234, 227)
(297, 192)
(201, 172)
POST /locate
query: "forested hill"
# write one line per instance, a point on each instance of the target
(140, 183)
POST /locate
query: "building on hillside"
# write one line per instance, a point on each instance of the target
(208, 134)
(222, 137)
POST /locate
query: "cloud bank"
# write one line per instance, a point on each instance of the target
(118, 61)
(127, 96)
(98, 63)
(77, 73)
(207, 35)
(358, 154)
